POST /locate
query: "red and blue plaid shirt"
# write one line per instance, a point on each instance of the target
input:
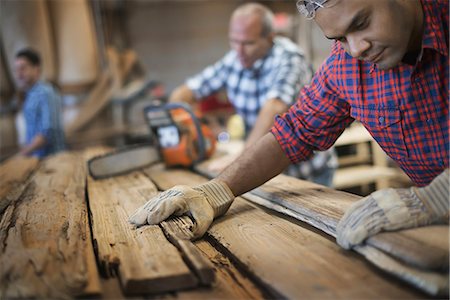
(405, 108)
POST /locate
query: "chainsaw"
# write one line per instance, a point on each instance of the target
(177, 138)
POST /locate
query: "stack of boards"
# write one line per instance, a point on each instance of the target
(64, 234)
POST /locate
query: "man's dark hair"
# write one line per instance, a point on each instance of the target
(31, 55)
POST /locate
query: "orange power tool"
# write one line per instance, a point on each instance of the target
(178, 138)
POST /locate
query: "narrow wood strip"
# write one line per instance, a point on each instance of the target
(144, 260)
(45, 239)
(178, 232)
(287, 259)
(14, 173)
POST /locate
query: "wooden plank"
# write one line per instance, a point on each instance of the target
(323, 207)
(14, 173)
(45, 237)
(142, 258)
(288, 259)
(178, 232)
(362, 174)
(414, 246)
(230, 282)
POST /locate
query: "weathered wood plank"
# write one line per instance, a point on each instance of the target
(45, 238)
(424, 247)
(144, 260)
(323, 207)
(287, 258)
(178, 232)
(14, 173)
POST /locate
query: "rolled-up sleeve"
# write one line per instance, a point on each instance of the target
(316, 120)
(292, 75)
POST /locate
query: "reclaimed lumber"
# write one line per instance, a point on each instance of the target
(419, 254)
(143, 259)
(45, 239)
(14, 173)
(289, 258)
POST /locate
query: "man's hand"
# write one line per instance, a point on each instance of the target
(203, 203)
(393, 209)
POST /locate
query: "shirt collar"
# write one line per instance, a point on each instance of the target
(434, 33)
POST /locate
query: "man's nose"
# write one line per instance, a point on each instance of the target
(357, 45)
(239, 48)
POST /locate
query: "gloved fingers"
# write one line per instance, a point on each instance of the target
(352, 229)
(175, 205)
(203, 217)
(158, 208)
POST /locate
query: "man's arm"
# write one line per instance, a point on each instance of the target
(37, 142)
(265, 119)
(182, 94)
(259, 163)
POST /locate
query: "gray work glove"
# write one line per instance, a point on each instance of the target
(393, 209)
(203, 203)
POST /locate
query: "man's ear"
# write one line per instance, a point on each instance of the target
(270, 37)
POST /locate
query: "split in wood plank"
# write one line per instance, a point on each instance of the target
(145, 260)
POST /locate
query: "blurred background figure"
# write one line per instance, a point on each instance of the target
(38, 122)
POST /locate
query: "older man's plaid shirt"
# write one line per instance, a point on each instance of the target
(280, 74)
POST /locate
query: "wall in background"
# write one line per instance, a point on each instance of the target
(176, 39)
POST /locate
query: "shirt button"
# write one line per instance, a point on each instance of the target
(381, 120)
(430, 121)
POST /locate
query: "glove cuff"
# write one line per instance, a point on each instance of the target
(218, 195)
(435, 196)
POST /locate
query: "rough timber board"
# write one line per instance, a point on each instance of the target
(424, 247)
(323, 207)
(13, 175)
(146, 262)
(290, 260)
(45, 238)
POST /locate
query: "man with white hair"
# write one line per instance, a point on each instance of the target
(262, 75)
(388, 69)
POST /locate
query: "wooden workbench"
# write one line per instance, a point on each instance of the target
(64, 234)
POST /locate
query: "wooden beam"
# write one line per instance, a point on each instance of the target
(289, 258)
(45, 241)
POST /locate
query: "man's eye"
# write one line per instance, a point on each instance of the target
(361, 24)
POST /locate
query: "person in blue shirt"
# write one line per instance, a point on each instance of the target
(39, 120)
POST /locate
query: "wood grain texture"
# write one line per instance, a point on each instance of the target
(143, 259)
(322, 207)
(424, 247)
(178, 232)
(289, 260)
(14, 173)
(418, 256)
(45, 238)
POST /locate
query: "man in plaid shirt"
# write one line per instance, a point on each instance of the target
(262, 76)
(389, 70)
(38, 122)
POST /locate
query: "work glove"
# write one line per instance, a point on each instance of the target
(202, 203)
(393, 209)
